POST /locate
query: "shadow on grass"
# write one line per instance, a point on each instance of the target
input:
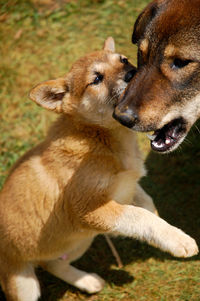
(173, 182)
(174, 185)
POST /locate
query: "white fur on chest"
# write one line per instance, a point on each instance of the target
(129, 152)
(124, 183)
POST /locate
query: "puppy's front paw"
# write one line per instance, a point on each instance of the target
(180, 244)
(90, 283)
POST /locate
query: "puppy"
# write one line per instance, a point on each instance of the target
(79, 182)
(164, 96)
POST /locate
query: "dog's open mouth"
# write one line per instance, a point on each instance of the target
(169, 136)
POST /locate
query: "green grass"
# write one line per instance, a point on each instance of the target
(40, 40)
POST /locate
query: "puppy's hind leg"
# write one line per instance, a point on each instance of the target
(21, 285)
(142, 199)
(90, 283)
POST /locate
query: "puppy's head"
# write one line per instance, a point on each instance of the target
(91, 89)
(164, 96)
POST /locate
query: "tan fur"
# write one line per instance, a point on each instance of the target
(144, 46)
(76, 184)
(169, 51)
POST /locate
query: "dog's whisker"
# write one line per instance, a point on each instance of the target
(187, 141)
(198, 130)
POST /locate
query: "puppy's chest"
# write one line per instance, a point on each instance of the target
(123, 184)
(128, 162)
(128, 153)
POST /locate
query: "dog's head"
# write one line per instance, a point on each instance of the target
(91, 88)
(164, 96)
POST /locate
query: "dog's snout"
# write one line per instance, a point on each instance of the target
(129, 75)
(126, 117)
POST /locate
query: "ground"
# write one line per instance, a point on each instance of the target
(39, 40)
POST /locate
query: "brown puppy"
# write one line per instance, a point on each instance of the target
(79, 182)
(164, 96)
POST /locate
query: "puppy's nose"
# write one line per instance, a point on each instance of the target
(129, 75)
(126, 118)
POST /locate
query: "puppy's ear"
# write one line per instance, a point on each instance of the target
(109, 44)
(50, 94)
(143, 20)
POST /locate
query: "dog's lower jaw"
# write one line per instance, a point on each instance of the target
(170, 149)
(170, 136)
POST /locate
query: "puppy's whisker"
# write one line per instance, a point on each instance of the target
(109, 100)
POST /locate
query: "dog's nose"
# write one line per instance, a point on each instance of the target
(126, 118)
(129, 75)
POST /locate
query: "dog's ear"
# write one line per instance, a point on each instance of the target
(143, 20)
(109, 44)
(50, 94)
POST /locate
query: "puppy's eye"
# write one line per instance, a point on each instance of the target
(124, 60)
(98, 79)
(178, 63)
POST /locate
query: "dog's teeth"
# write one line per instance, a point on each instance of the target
(151, 137)
(173, 134)
(158, 145)
(167, 141)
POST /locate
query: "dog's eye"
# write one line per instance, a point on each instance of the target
(178, 63)
(124, 60)
(98, 79)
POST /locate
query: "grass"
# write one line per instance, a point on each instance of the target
(39, 41)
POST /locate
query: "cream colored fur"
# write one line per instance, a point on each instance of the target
(79, 182)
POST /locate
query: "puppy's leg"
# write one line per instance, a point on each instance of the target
(141, 224)
(21, 285)
(90, 283)
(142, 199)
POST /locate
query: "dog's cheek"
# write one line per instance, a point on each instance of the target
(93, 98)
(85, 104)
(101, 94)
(191, 109)
(155, 106)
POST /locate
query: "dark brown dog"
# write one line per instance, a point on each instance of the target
(164, 96)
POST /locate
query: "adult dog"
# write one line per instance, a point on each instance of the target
(164, 96)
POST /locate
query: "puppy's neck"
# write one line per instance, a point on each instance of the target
(67, 126)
